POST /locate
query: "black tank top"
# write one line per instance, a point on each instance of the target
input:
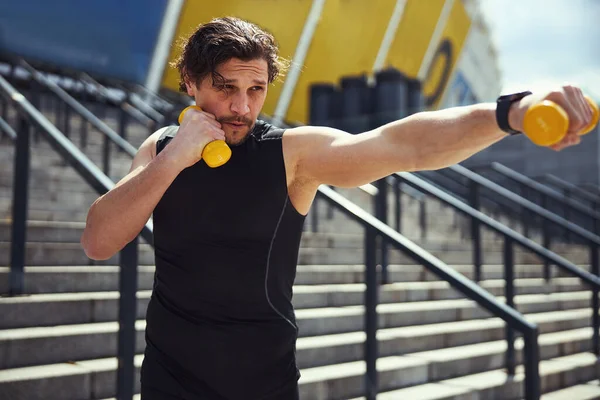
(226, 246)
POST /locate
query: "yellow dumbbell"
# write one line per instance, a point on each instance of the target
(547, 123)
(215, 153)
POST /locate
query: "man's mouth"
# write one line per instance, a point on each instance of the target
(236, 124)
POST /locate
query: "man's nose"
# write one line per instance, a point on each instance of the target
(240, 104)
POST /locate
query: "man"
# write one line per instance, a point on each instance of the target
(220, 323)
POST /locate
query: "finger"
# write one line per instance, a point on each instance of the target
(571, 140)
(202, 117)
(212, 116)
(564, 143)
(586, 110)
(556, 147)
(575, 109)
(589, 111)
(214, 122)
(218, 134)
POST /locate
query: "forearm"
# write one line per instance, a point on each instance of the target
(438, 139)
(119, 215)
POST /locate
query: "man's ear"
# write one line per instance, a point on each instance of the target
(189, 85)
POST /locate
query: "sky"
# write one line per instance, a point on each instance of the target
(544, 42)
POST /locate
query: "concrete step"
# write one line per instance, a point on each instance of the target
(323, 321)
(440, 337)
(69, 342)
(70, 232)
(46, 215)
(438, 224)
(45, 161)
(93, 379)
(63, 343)
(69, 182)
(49, 253)
(346, 380)
(135, 132)
(88, 307)
(585, 391)
(555, 374)
(53, 205)
(71, 279)
(435, 391)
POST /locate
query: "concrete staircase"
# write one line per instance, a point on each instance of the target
(59, 340)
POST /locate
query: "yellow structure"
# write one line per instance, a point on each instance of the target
(345, 42)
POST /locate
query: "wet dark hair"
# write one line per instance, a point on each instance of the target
(220, 40)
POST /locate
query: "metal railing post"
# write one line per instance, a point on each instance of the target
(509, 293)
(315, 215)
(19, 211)
(595, 270)
(546, 240)
(127, 316)
(123, 121)
(106, 155)
(531, 355)
(423, 218)
(381, 214)
(36, 101)
(525, 213)
(67, 120)
(371, 294)
(4, 108)
(475, 231)
(398, 206)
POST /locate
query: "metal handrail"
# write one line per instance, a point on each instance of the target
(30, 117)
(569, 187)
(527, 204)
(123, 103)
(6, 128)
(510, 237)
(76, 158)
(81, 110)
(477, 181)
(537, 187)
(498, 227)
(374, 227)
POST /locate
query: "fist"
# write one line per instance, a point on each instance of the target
(571, 99)
(197, 129)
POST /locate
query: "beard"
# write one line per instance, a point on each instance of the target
(237, 138)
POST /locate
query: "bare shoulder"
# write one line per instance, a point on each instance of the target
(147, 150)
(301, 140)
(305, 145)
(308, 134)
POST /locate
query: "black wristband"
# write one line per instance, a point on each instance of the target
(503, 106)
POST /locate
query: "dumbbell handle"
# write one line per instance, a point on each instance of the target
(215, 153)
(547, 123)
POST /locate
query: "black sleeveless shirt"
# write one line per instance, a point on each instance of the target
(226, 246)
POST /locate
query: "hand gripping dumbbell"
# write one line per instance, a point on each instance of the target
(547, 123)
(215, 153)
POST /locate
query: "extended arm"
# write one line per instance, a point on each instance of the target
(424, 141)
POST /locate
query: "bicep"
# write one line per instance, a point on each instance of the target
(333, 157)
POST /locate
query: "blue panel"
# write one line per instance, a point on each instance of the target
(109, 38)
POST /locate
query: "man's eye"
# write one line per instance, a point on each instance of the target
(257, 88)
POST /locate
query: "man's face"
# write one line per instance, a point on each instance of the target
(238, 101)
